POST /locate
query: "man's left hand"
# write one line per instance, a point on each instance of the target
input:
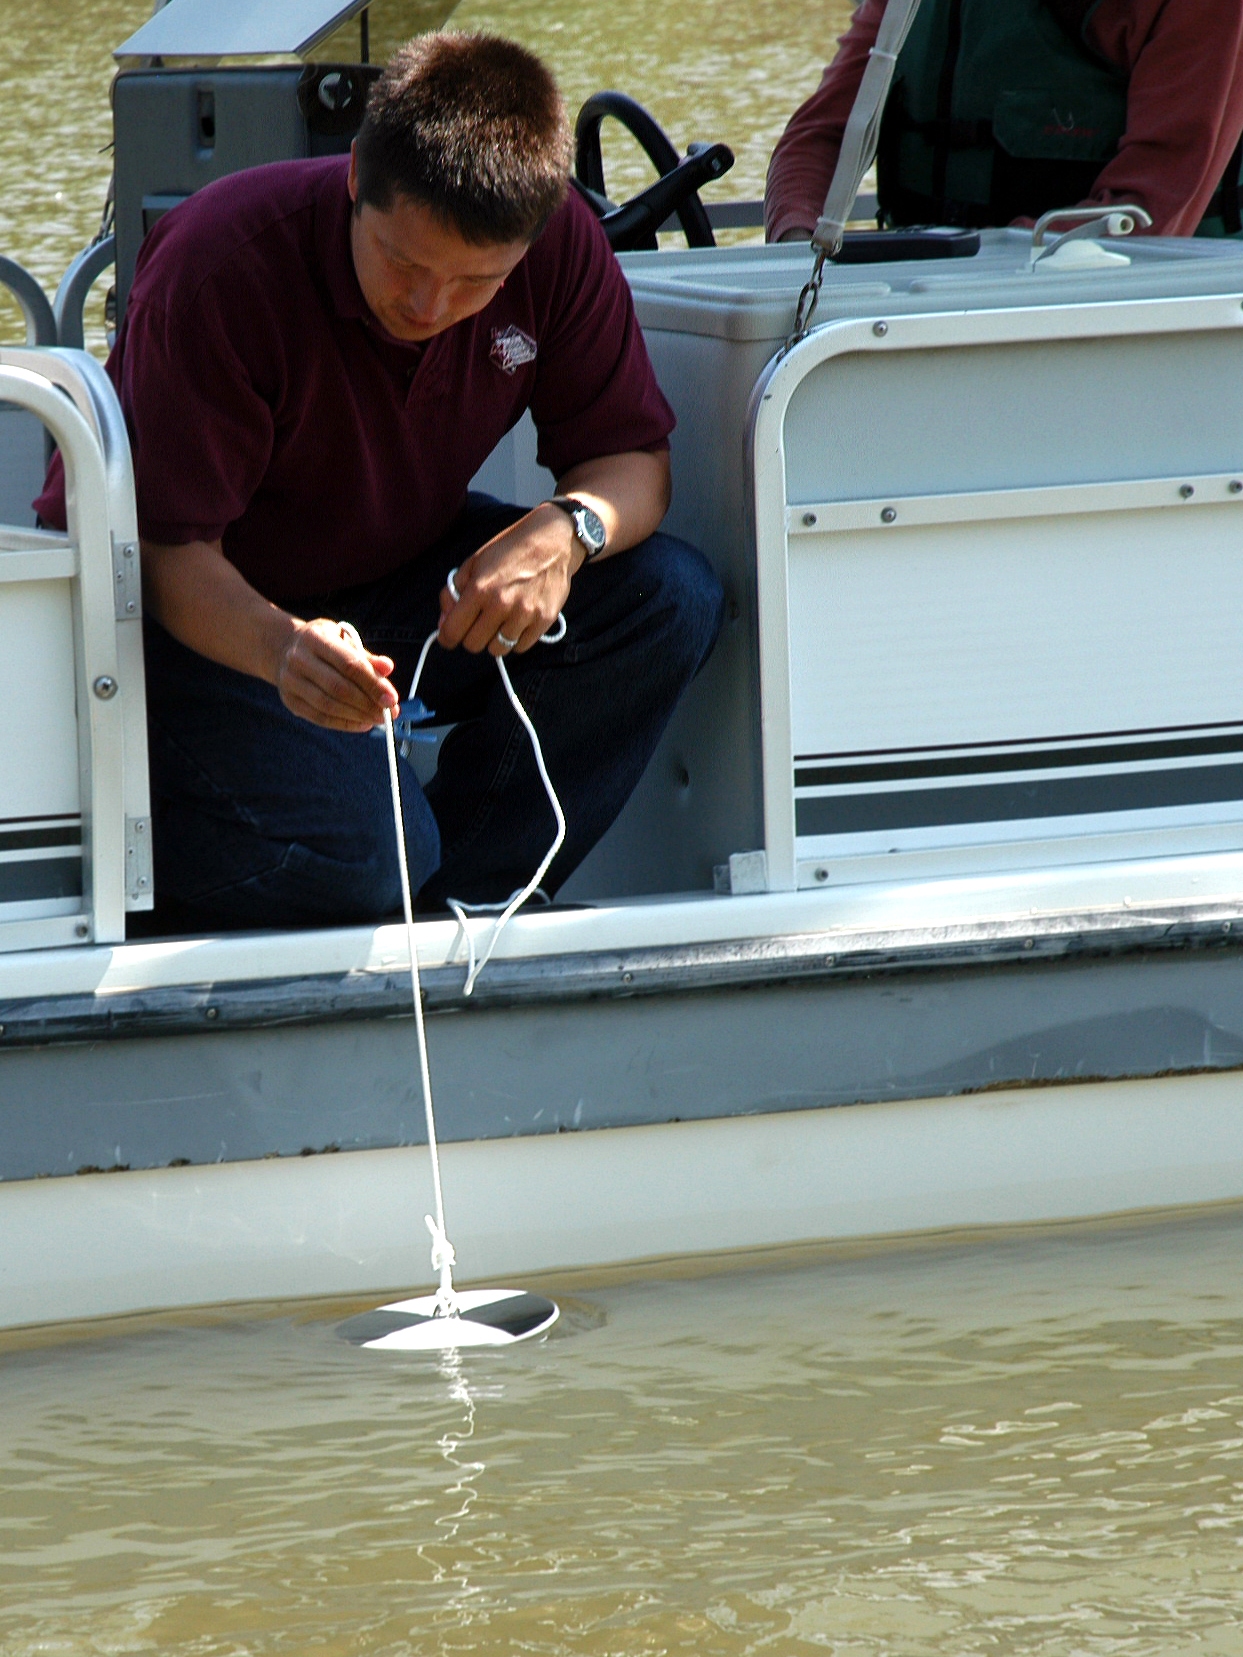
(512, 588)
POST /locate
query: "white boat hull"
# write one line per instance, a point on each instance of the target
(526, 1208)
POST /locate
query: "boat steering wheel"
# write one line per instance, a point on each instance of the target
(634, 224)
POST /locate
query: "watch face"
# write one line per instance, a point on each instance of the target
(590, 528)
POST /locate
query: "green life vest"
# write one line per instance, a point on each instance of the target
(997, 111)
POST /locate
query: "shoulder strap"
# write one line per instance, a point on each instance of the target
(855, 156)
(862, 132)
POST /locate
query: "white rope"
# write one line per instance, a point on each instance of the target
(443, 1256)
(507, 908)
(515, 901)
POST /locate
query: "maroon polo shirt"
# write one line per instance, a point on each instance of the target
(268, 408)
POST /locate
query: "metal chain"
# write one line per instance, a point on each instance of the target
(807, 301)
(855, 156)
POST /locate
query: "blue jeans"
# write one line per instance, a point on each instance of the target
(263, 819)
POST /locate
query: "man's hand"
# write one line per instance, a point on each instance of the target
(202, 600)
(322, 677)
(511, 589)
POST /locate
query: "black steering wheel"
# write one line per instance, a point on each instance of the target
(634, 224)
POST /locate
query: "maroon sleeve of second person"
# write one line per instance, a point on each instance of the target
(802, 164)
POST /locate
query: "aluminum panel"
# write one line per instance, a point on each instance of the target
(237, 28)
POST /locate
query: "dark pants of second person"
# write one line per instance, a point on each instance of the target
(263, 819)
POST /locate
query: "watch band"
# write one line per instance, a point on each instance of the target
(582, 516)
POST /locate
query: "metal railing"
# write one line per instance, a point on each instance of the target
(59, 321)
(75, 285)
(36, 311)
(74, 600)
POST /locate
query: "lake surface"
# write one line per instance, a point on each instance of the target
(1020, 1445)
(706, 70)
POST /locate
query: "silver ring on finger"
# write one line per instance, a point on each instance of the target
(510, 644)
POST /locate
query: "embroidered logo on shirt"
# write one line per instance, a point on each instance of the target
(511, 348)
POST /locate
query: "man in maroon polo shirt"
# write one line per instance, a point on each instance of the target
(316, 358)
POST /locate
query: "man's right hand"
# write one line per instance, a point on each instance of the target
(321, 676)
(206, 603)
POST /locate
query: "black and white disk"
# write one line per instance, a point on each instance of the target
(486, 1317)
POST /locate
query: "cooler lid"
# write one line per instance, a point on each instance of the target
(747, 294)
(238, 28)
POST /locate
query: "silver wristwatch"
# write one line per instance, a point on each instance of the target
(587, 524)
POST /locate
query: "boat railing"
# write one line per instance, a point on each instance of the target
(24, 447)
(69, 305)
(998, 632)
(74, 801)
(33, 302)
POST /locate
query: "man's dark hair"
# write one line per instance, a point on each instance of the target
(471, 126)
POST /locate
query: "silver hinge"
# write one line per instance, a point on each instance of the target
(139, 877)
(127, 581)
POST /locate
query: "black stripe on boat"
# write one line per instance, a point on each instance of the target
(913, 765)
(34, 839)
(40, 877)
(1012, 801)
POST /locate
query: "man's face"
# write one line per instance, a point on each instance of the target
(418, 276)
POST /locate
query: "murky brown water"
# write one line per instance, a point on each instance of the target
(705, 69)
(1024, 1445)
(55, 69)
